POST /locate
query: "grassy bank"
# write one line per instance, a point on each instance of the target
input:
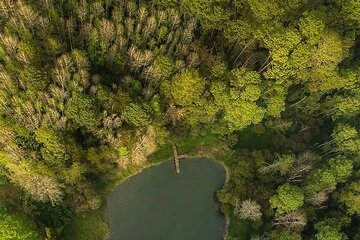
(93, 225)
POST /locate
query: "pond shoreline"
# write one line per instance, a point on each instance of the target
(194, 156)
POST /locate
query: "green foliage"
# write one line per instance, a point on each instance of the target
(165, 65)
(324, 55)
(276, 105)
(322, 179)
(29, 48)
(53, 46)
(165, 3)
(2, 54)
(328, 230)
(238, 99)
(347, 106)
(56, 216)
(341, 168)
(87, 227)
(312, 25)
(240, 228)
(351, 11)
(96, 49)
(104, 158)
(34, 78)
(123, 151)
(89, 90)
(3, 173)
(338, 170)
(184, 88)
(211, 12)
(241, 114)
(265, 10)
(54, 150)
(83, 111)
(328, 233)
(284, 235)
(237, 30)
(283, 163)
(136, 115)
(241, 77)
(288, 198)
(16, 226)
(281, 42)
(347, 139)
(350, 196)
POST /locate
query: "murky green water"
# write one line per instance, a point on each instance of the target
(159, 204)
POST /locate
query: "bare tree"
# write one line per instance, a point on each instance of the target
(107, 31)
(139, 58)
(82, 12)
(111, 121)
(6, 135)
(174, 114)
(62, 71)
(150, 26)
(7, 7)
(161, 17)
(248, 209)
(42, 187)
(188, 34)
(27, 15)
(27, 115)
(58, 93)
(131, 8)
(144, 146)
(319, 198)
(6, 81)
(43, 24)
(153, 72)
(70, 25)
(96, 10)
(142, 14)
(302, 165)
(13, 150)
(10, 43)
(295, 220)
(173, 17)
(193, 59)
(53, 118)
(129, 26)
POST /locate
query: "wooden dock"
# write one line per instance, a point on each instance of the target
(177, 158)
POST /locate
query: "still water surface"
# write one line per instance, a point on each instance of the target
(159, 204)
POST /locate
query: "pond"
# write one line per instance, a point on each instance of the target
(158, 204)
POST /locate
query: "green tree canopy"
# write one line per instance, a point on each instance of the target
(54, 150)
(136, 115)
(83, 110)
(330, 229)
(17, 227)
(184, 88)
(285, 234)
(288, 198)
(350, 196)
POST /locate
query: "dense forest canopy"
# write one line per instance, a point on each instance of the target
(92, 89)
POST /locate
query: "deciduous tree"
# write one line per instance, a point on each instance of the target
(288, 198)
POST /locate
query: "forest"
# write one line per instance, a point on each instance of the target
(91, 91)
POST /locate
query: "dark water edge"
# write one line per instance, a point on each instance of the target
(158, 204)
